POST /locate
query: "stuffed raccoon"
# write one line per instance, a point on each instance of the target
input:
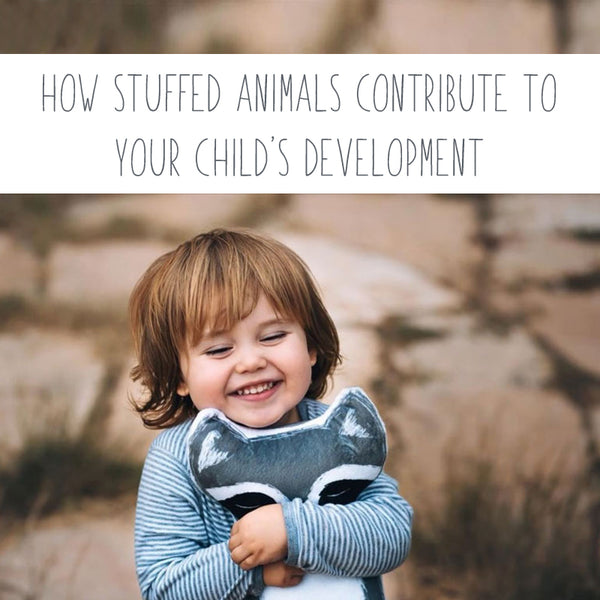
(330, 459)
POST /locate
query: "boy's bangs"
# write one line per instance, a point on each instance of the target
(217, 307)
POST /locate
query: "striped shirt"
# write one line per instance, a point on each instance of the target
(181, 534)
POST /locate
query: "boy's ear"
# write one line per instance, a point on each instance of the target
(312, 354)
(183, 389)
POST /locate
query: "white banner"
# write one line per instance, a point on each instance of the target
(299, 123)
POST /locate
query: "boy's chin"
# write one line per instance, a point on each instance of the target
(287, 418)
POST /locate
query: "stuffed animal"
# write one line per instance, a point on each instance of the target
(330, 459)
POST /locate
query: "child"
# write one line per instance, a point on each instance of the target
(233, 320)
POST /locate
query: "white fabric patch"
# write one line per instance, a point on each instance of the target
(342, 473)
(315, 423)
(246, 487)
(209, 455)
(352, 428)
(319, 586)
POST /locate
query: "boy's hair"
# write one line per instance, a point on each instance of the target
(211, 282)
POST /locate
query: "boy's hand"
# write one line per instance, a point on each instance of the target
(259, 537)
(279, 574)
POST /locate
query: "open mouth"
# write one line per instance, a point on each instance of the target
(253, 390)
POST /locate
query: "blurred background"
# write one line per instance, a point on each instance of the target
(472, 321)
(457, 26)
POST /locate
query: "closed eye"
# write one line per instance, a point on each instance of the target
(273, 337)
(218, 351)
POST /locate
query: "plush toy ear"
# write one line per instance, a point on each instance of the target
(356, 420)
(357, 425)
(213, 442)
(207, 446)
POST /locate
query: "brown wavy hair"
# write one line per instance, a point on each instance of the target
(211, 282)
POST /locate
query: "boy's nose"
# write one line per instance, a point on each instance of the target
(250, 360)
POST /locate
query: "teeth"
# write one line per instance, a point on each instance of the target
(255, 389)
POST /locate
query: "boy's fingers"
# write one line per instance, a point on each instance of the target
(234, 542)
(248, 563)
(239, 555)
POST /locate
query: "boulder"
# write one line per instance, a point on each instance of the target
(584, 17)
(463, 26)
(469, 361)
(188, 214)
(570, 322)
(360, 349)
(99, 275)
(125, 429)
(517, 216)
(19, 268)
(542, 259)
(520, 433)
(86, 554)
(435, 235)
(257, 26)
(49, 383)
(361, 286)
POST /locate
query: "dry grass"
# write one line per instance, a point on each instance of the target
(55, 467)
(528, 540)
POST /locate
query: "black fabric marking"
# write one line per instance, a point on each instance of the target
(242, 504)
(342, 492)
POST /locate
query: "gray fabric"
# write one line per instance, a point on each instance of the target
(289, 459)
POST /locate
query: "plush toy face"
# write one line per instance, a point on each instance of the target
(330, 459)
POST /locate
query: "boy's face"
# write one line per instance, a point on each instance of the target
(255, 373)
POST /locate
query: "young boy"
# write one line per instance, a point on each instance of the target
(233, 320)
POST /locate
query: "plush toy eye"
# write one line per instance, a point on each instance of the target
(342, 492)
(244, 503)
(342, 484)
(247, 496)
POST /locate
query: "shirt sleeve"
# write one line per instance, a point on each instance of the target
(174, 558)
(368, 537)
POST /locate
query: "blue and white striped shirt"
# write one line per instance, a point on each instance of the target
(181, 534)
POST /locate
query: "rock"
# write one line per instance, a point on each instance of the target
(542, 259)
(543, 238)
(463, 26)
(361, 287)
(433, 235)
(257, 26)
(19, 268)
(595, 424)
(360, 350)
(49, 382)
(518, 216)
(520, 432)
(125, 429)
(467, 361)
(99, 275)
(77, 556)
(473, 394)
(585, 26)
(186, 213)
(570, 323)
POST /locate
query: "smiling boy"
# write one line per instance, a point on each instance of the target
(232, 320)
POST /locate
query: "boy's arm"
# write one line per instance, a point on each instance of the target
(368, 537)
(174, 557)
